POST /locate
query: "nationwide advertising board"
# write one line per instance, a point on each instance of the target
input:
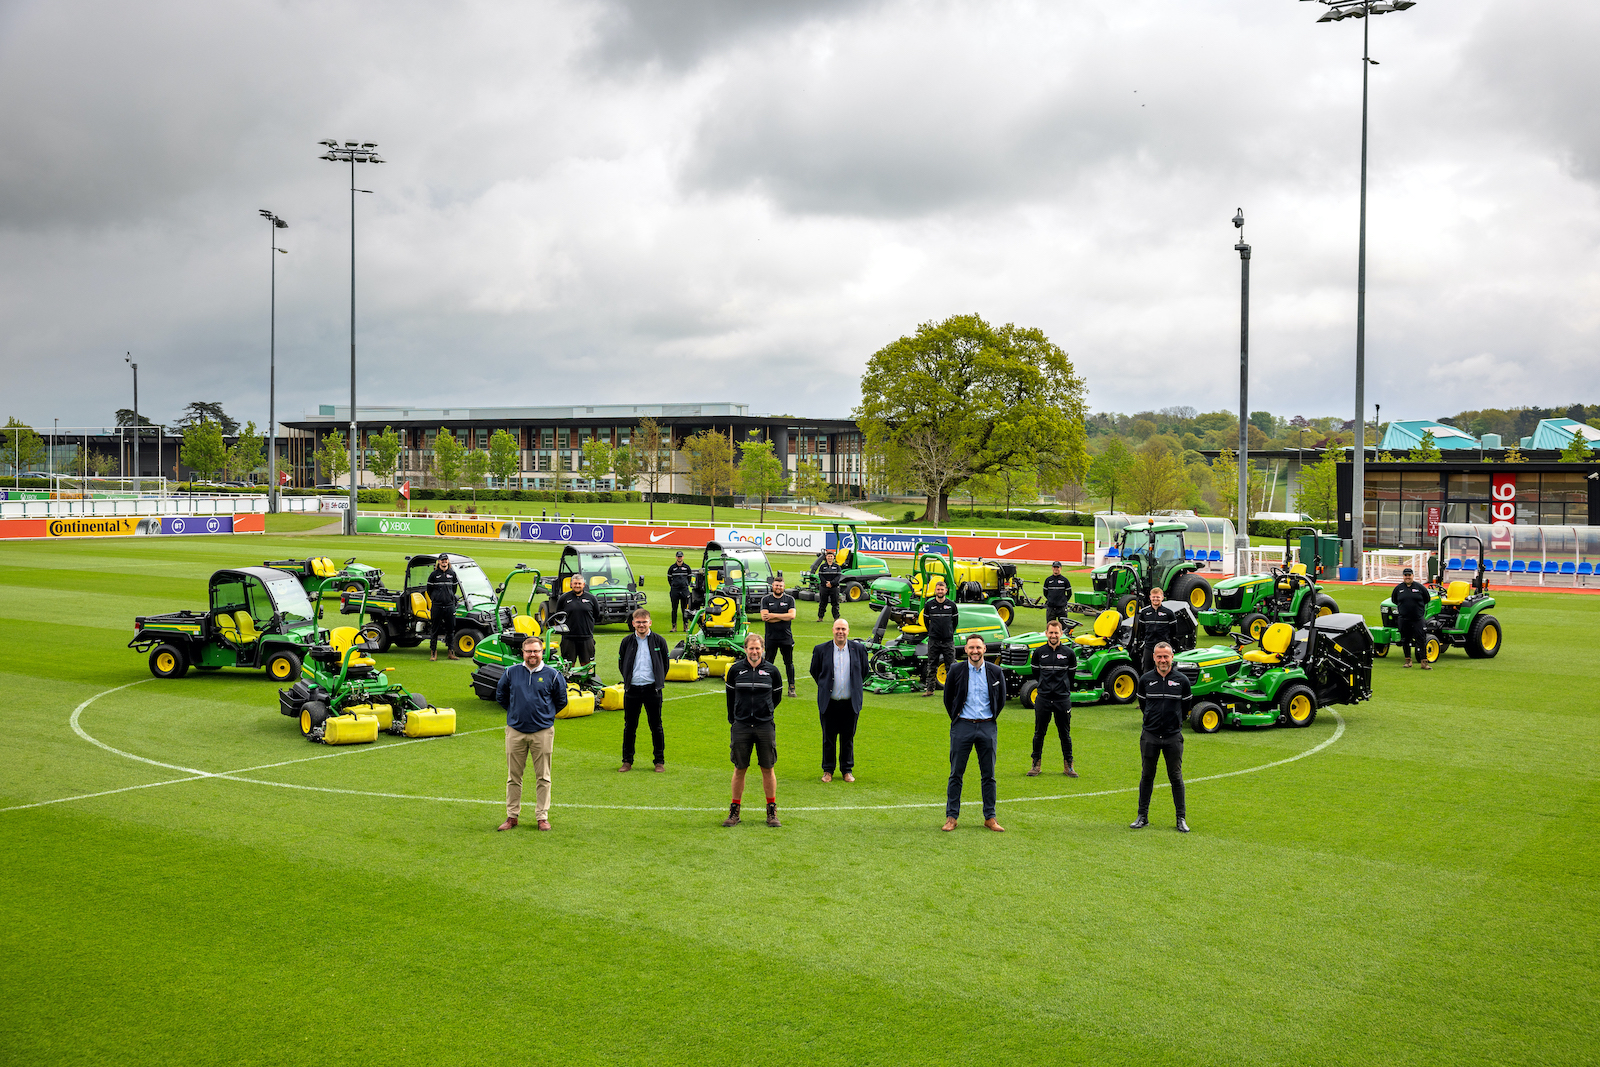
(1018, 549)
(131, 526)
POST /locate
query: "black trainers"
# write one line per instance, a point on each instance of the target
(791, 690)
(1183, 827)
(1139, 824)
(772, 815)
(733, 816)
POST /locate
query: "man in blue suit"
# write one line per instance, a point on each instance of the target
(974, 693)
(839, 667)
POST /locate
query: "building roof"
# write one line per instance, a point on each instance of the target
(340, 413)
(1557, 433)
(1404, 436)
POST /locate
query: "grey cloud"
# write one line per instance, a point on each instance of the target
(679, 33)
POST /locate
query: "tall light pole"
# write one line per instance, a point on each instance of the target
(1241, 533)
(1361, 9)
(272, 363)
(352, 152)
(128, 359)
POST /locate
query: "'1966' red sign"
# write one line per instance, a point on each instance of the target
(1503, 510)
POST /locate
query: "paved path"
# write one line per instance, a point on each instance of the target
(843, 511)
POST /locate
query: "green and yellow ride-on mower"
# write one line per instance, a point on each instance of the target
(607, 577)
(898, 664)
(1144, 558)
(343, 697)
(321, 575)
(714, 636)
(500, 651)
(966, 582)
(1457, 614)
(1107, 670)
(259, 618)
(857, 570)
(1284, 681)
(710, 576)
(1254, 602)
(404, 618)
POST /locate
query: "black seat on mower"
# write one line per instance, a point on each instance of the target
(325, 654)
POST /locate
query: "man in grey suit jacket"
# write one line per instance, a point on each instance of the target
(839, 667)
(974, 693)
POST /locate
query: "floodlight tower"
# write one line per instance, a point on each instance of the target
(272, 363)
(352, 152)
(1241, 533)
(1337, 11)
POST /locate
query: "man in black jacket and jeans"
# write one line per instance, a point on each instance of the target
(940, 616)
(642, 662)
(754, 689)
(1057, 591)
(974, 693)
(1164, 695)
(1410, 599)
(1054, 664)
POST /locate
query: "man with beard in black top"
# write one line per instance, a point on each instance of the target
(940, 615)
(828, 585)
(678, 576)
(1164, 695)
(1410, 599)
(1057, 591)
(754, 689)
(1153, 624)
(442, 608)
(778, 612)
(583, 611)
(1054, 664)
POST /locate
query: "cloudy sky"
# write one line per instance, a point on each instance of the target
(643, 200)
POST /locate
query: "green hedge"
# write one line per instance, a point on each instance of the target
(1050, 518)
(1277, 527)
(536, 495)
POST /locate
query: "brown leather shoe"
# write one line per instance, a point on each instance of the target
(849, 777)
(949, 824)
(991, 824)
(1068, 771)
(625, 768)
(1427, 666)
(733, 816)
(544, 824)
(1034, 773)
(660, 767)
(453, 654)
(509, 824)
(827, 776)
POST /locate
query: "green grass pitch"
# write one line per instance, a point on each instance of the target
(1420, 890)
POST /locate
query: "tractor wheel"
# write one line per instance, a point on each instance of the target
(377, 634)
(1030, 694)
(283, 667)
(677, 650)
(1431, 648)
(854, 592)
(1483, 639)
(941, 674)
(1193, 590)
(1299, 706)
(1205, 717)
(408, 642)
(1326, 605)
(1219, 631)
(1254, 625)
(1128, 604)
(353, 589)
(466, 641)
(1380, 651)
(1006, 610)
(313, 714)
(168, 661)
(1121, 684)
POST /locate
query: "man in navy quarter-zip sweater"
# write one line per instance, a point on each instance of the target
(531, 693)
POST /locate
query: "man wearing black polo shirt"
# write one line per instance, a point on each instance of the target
(678, 576)
(828, 585)
(1054, 664)
(1151, 626)
(1410, 599)
(583, 611)
(940, 615)
(754, 690)
(1057, 591)
(1164, 694)
(778, 611)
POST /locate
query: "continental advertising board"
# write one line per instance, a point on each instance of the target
(130, 526)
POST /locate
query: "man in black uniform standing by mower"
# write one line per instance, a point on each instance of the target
(778, 612)
(1410, 599)
(1153, 624)
(754, 689)
(678, 576)
(828, 576)
(1054, 664)
(1057, 591)
(1165, 696)
(583, 611)
(939, 616)
(442, 608)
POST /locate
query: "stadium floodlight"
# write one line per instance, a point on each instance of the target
(272, 362)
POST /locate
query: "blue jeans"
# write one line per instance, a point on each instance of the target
(966, 735)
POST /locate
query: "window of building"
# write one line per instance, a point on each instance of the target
(547, 437)
(563, 438)
(483, 437)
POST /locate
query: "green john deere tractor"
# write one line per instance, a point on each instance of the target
(342, 697)
(898, 664)
(502, 650)
(857, 570)
(1107, 670)
(1457, 614)
(1255, 601)
(259, 618)
(1144, 558)
(320, 575)
(714, 635)
(1284, 681)
(710, 577)
(404, 618)
(966, 582)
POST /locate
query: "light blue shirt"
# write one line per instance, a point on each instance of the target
(977, 705)
(644, 671)
(841, 672)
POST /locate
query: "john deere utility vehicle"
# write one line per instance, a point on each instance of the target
(966, 582)
(897, 665)
(1147, 557)
(1107, 670)
(404, 618)
(857, 570)
(342, 697)
(259, 618)
(1286, 680)
(607, 577)
(1255, 601)
(710, 577)
(1457, 614)
(320, 575)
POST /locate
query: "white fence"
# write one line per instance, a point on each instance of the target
(169, 505)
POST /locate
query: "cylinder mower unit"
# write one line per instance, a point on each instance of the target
(342, 697)
(1285, 680)
(1148, 557)
(1457, 615)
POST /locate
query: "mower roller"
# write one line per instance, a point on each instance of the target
(1255, 601)
(1457, 614)
(1148, 557)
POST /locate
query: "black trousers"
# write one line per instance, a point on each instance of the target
(839, 726)
(938, 654)
(648, 700)
(1043, 712)
(680, 599)
(577, 649)
(1152, 748)
(787, 652)
(1411, 637)
(966, 735)
(1054, 611)
(444, 626)
(825, 597)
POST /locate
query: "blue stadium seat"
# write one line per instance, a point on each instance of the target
(1568, 568)
(1112, 551)
(1501, 566)
(1552, 567)
(1452, 564)
(1519, 567)
(1585, 568)
(1216, 554)
(1188, 554)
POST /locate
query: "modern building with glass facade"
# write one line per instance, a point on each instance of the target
(1406, 502)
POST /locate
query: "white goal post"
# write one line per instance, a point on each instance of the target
(1383, 565)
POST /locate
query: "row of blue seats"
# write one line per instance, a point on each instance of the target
(1196, 555)
(1518, 566)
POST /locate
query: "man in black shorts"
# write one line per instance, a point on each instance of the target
(1164, 695)
(778, 612)
(939, 616)
(583, 611)
(754, 689)
(678, 576)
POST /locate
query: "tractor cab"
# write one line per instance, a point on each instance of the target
(1154, 550)
(476, 592)
(248, 603)
(755, 573)
(607, 577)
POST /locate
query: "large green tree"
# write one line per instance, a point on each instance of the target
(598, 457)
(1155, 479)
(1317, 494)
(24, 448)
(1108, 474)
(208, 411)
(505, 458)
(332, 458)
(448, 458)
(760, 472)
(981, 397)
(203, 450)
(710, 465)
(245, 455)
(385, 457)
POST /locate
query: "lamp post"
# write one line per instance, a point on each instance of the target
(128, 359)
(272, 362)
(1241, 534)
(1361, 9)
(352, 152)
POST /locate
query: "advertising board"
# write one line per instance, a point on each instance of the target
(593, 533)
(662, 536)
(1502, 509)
(131, 526)
(1018, 549)
(806, 542)
(389, 525)
(491, 529)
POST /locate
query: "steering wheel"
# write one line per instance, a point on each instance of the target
(1240, 640)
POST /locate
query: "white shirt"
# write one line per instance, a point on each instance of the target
(841, 672)
(644, 669)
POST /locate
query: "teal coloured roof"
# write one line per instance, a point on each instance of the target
(1404, 436)
(1557, 433)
